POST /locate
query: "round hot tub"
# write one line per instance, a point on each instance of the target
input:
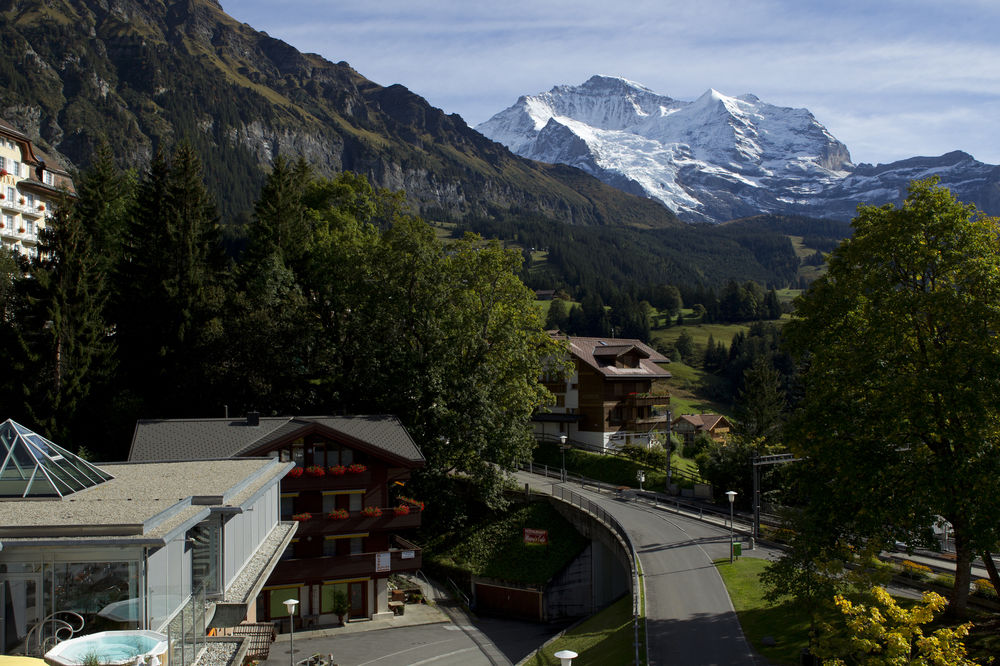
(109, 647)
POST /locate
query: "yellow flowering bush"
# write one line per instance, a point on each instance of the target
(880, 633)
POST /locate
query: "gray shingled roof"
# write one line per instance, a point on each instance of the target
(198, 439)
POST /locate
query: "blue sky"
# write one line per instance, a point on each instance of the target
(889, 78)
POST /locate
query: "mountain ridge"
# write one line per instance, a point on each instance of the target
(146, 74)
(718, 157)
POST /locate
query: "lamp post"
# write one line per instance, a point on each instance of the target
(290, 604)
(732, 498)
(565, 657)
(562, 449)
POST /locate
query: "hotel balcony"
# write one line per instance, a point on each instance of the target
(403, 556)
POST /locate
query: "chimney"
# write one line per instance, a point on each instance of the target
(253, 418)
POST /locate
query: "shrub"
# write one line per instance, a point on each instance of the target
(984, 588)
(914, 571)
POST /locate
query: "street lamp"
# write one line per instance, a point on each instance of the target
(562, 449)
(732, 498)
(565, 657)
(290, 604)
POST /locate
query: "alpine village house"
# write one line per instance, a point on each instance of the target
(612, 396)
(346, 491)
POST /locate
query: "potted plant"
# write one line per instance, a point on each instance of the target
(371, 511)
(41, 206)
(341, 605)
(3, 172)
(402, 510)
(21, 201)
(20, 230)
(315, 470)
(357, 468)
(337, 470)
(339, 514)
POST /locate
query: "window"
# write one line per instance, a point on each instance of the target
(3, 162)
(16, 168)
(357, 546)
(8, 221)
(30, 226)
(47, 178)
(288, 506)
(10, 194)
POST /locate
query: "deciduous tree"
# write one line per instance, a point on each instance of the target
(900, 421)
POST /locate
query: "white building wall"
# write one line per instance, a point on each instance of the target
(244, 532)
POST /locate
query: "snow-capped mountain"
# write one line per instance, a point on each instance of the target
(718, 157)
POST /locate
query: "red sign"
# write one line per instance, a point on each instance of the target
(533, 537)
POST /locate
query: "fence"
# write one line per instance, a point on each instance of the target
(602, 515)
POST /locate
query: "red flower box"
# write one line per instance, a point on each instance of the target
(371, 511)
(337, 470)
(414, 505)
(302, 517)
(41, 206)
(315, 470)
(357, 468)
(402, 510)
(20, 230)
(339, 514)
(296, 472)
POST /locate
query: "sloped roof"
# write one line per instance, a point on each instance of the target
(599, 354)
(32, 466)
(195, 439)
(702, 421)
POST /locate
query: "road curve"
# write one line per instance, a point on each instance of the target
(689, 617)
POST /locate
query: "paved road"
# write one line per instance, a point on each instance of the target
(690, 619)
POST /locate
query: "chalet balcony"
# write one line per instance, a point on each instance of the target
(403, 556)
(347, 481)
(654, 422)
(647, 400)
(319, 524)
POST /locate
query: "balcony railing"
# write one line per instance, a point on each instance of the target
(647, 400)
(327, 481)
(403, 556)
(322, 524)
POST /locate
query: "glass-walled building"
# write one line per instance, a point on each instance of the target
(130, 545)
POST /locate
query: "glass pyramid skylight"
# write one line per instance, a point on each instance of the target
(32, 466)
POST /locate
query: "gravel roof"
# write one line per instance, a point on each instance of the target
(143, 501)
(193, 439)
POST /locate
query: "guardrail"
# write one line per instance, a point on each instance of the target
(676, 505)
(591, 448)
(598, 512)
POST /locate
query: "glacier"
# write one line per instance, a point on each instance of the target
(718, 157)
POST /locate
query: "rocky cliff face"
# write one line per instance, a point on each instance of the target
(718, 157)
(145, 73)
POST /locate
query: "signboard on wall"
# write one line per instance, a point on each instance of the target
(407, 555)
(534, 537)
(383, 562)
